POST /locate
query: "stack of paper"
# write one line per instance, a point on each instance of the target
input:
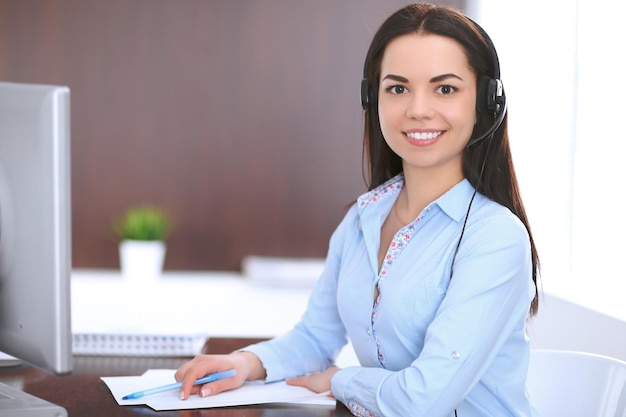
(247, 394)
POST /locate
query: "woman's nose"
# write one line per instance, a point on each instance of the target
(419, 106)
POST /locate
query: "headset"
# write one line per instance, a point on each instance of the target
(490, 97)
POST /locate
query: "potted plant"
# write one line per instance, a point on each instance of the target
(142, 231)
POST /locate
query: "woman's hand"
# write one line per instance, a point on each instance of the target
(247, 365)
(316, 382)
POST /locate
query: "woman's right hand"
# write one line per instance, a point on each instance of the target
(246, 364)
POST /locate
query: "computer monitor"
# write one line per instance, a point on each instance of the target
(35, 225)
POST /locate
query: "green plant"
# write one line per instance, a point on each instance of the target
(146, 223)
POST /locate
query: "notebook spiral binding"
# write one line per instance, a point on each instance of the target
(162, 345)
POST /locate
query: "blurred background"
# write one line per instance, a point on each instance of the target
(240, 118)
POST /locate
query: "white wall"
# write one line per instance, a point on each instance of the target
(563, 76)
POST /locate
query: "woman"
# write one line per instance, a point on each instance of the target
(432, 273)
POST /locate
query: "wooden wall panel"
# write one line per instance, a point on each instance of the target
(240, 117)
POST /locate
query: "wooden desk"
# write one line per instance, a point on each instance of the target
(83, 394)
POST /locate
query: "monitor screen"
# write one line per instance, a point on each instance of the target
(35, 225)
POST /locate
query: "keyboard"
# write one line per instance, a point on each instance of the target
(15, 402)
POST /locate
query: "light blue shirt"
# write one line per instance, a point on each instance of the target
(429, 343)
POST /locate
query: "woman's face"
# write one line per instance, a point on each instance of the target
(427, 102)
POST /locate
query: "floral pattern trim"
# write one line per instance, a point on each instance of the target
(390, 187)
(359, 410)
(398, 243)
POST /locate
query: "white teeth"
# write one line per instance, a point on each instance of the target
(423, 136)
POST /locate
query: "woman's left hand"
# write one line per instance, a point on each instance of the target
(316, 382)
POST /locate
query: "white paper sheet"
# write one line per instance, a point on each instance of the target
(249, 393)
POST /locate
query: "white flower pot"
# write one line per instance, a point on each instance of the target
(142, 261)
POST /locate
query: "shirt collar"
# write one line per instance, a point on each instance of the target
(389, 187)
(453, 202)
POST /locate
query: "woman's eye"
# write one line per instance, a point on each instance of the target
(446, 89)
(397, 89)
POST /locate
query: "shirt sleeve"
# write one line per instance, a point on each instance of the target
(485, 307)
(314, 343)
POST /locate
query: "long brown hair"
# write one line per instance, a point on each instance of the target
(487, 165)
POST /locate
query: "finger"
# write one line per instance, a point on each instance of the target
(216, 387)
(189, 374)
(182, 370)
(316, 382)
(301, 381)
(188, 386)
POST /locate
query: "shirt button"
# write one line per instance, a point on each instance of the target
(456, 355)
(369, 332)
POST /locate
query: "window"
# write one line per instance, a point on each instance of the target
(564, 73)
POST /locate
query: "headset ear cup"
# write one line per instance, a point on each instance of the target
(495, 96)
(492, 101)
(487, 95)
(365, 94)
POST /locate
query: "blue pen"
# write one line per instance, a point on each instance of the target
(205, 379)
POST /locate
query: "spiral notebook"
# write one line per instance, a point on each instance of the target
(162, 345)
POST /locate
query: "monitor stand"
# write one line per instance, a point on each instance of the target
(15, 402)
(7, 360)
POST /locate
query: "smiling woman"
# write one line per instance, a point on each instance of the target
(432, 272)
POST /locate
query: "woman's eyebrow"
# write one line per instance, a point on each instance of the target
(397, 78)
(444, 77)
(435, 79)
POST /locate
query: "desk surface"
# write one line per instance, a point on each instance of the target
(83, 394)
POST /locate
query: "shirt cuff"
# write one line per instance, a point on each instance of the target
(340, 381)
(271, 362)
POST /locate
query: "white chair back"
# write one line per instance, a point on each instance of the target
(576, 384)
